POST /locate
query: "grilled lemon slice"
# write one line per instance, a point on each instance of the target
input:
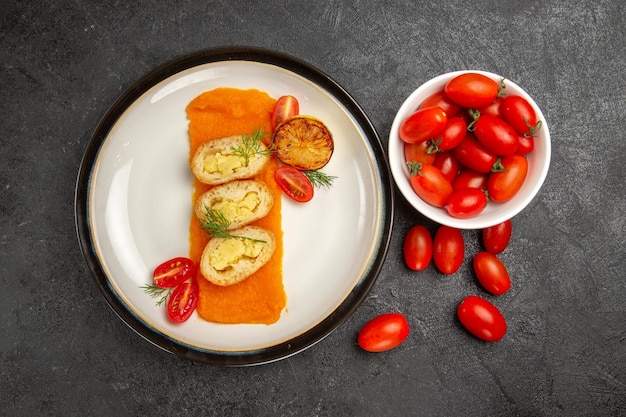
(303, 142)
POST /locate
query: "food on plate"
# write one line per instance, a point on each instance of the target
(303, 142)
(235, 157)
(173, 272)
(481, 318)
(241, 202)
(183, 301)
(228, 261)
(285, 107)
(384, 332)
(294, 183)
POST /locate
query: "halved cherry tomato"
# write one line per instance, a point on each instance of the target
(440, 99)
(471, 154)
(294, 183)
(496, 135)
(518, 112)
(430, 184)
(497, 237)
(502, 186)
(450, 136)
(526, 145)
(418, 248)
(481, 318)
(466, 203)
(448, 249)
(468, 178)
(447, 164)
(422, 125)
(383, 332)
(491, 273)
(285, 107)
(183, 301)
(472, 90)
(418, 152)
(173, 272)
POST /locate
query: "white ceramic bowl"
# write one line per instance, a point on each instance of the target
(494, 213)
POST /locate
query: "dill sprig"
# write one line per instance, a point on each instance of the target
(215, 224)
(251, 145)
(157, 292)
(320, 179)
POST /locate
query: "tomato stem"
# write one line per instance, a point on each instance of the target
(497, 166)
(501, 91)
(475, 114)
(415, 168)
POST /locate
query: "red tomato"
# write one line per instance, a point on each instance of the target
(183, 301)
(492, 109)
(526, 145)
(502, 186)
(471, 154)
(496, 238)
(173, 272)
(481, 318)
(450, 136)
(448, 249)
(466, 203)
(472, 90)
(439, 99)
(294, 183)
(496, 135)
(422, 125)
(447, 164)
(430, 184)
(518, 112)
(384, 332)
(418, 248)
(491, 273)
(468, 178)
(285, 107)
(418, 152)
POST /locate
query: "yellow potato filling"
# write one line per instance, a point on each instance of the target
(224, 164)
(237, 210)
(232, 250)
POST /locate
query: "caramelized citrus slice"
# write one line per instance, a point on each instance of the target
(303, 142)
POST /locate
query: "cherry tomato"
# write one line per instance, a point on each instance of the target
(468, 178)
(491, 273)
(430, 184)
(440, 99)
(183, 301)
(418, 248)
(294, 183)
(448, 249)
(450, 136)
(472, 90)
(502, 186)
(466, 203)
(492, 109)
(447, 164)
(481, 318)
(418, 152)
(384, 332)
(285, 107)
(471, 154)
(422, 125)
(526, 145)
(518, 112)
(496, 135)
(496, 238)
(173, 272)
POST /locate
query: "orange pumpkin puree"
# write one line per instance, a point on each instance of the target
(261, 297)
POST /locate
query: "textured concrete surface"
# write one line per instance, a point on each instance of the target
(64, 352)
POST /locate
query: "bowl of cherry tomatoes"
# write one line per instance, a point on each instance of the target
(469, 149)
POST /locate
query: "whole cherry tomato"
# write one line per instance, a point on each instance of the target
(383, 332)
(294, 183)
(466, 203)
(502, 186)
(430, 184)
(492, 109)
(468, 178)
(471, 154)
(450, 136)
(173, 272)
(496, 238)
(491, 273)
(472, 90)
(447, 164)
(440, 99)
(183, 301)
(518, 112)
(496, 135)
(526, 145)
(481, 318)
(285, 107)
(422, 125)
(418, 248)
(418, 152)
(448, 249)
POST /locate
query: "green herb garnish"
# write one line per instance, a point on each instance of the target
(216, 225)
(157, 292)
(319, 179)
(252, 145)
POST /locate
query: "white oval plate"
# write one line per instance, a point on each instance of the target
(133, 206)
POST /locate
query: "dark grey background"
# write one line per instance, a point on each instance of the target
(64, 352)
